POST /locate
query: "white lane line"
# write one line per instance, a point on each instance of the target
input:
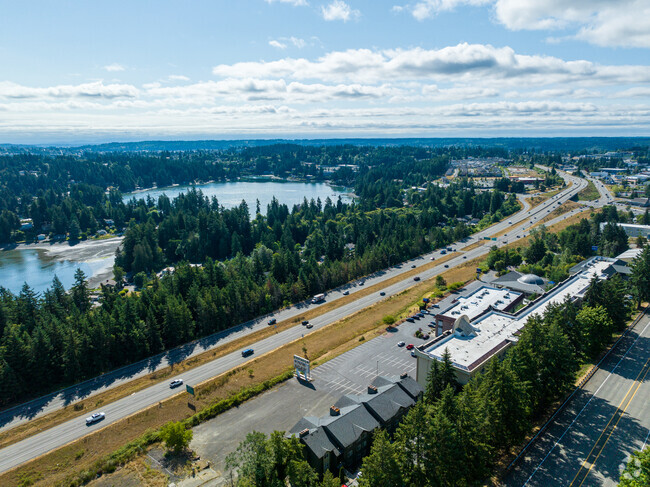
(587, 403)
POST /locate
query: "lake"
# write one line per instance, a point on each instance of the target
(38, 266)
(231, 194)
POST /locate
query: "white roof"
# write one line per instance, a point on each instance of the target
(479, 301)
(630, 254)
(495, 328)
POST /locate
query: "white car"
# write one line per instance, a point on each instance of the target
(401, 344)
(175, 383)
(95, 418)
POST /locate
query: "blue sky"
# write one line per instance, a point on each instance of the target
(79, 71)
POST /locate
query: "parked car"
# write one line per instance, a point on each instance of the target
(413, 266)
(410, 346)
(410, 320)
(431, 325)
(94, 418)
(412, 353)
(400, 344)
(175, 383)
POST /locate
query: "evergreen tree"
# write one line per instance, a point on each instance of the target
(380, 467)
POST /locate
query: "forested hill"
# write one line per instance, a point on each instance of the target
(544, 144)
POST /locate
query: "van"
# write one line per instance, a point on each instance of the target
(247, 352)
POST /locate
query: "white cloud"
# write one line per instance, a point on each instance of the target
(463, 62)
(114, 67)
(177, 77)
(277, 44)
(339, 10)
(295, 3)
(95, 89)
(601, 22)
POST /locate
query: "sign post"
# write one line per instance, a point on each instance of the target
(189, 389)
(302, 368)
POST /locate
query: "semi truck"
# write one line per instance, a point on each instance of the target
(318, 298)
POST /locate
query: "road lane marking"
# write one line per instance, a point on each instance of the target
(585, 406)
(618, 414)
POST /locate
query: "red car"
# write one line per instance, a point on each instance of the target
(409, 346)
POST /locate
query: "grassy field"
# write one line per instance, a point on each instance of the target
(590, 193)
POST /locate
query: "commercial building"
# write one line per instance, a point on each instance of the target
(472, 342)
(629, 255)
(631, 229)
(344, 437)
(474, 305)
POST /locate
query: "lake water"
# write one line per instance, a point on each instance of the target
(38, 267)
(231, 194)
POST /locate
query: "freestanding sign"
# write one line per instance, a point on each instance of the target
(189, 389)
(302, 367)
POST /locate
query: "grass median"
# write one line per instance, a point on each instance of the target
(107, 446)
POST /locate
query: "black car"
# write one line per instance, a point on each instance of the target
(305, 322)
(447, 266)
(382, 293)
(272, 321)
(416, 278)
(410, 320)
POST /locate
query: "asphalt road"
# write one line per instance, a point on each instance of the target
(62, 434)
(590, 440)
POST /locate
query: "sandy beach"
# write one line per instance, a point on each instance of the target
(98, 254)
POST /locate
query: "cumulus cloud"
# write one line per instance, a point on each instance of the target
(462, 62)
(96, 89)
(177, 77)
(339, 10)
(277, 44)
(295, 3)
(114, 67)
(602, 22)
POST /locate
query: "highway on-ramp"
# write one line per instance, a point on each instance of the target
(64, 433)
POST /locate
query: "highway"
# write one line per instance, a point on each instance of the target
(62, 434)
(590, 440)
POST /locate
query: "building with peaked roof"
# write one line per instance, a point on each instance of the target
(472, 342)
(344, 437)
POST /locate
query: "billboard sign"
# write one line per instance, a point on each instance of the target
(302, 367)
(189, 389)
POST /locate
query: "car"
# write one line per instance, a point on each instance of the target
(413, 266)
(435, 306)
(410, 346)
(272, 321)
(464, 257)
(412, 353)
(305, 322)
(175, 383)
(345, 293)
(410, 320)
(361, 283)
(505, 234)
(420, 315)
(247, 352)
(401, 344)
(446, 266)
(431, 325)
(382, 293)
(509, 223)
(433, 258)
(94, 418)
(517, 236)
(309, 325)
(416, 278)
(415, 317)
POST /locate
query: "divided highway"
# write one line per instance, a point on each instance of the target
(518, 224)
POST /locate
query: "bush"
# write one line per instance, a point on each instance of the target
(176, 436)
(388, 320)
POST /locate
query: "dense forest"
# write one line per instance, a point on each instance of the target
(229, 267)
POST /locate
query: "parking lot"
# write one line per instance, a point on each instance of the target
(282, 407)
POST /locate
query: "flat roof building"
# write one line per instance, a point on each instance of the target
(525, 283)
(631, 229)
(472, 342)
(477, 303)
